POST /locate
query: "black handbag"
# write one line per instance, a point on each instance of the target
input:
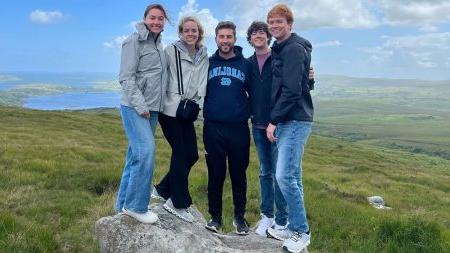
(187, 109)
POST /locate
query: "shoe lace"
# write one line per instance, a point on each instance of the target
(296, 236)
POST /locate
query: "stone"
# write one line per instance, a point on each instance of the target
(378, 202)
(120, 233)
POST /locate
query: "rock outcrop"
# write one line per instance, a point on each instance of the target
(121, 233)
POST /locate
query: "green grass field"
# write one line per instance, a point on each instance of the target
(59, 172)
(412, 115)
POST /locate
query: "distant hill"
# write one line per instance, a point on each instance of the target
(412, 115)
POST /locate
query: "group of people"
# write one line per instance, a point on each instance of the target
(272, 88)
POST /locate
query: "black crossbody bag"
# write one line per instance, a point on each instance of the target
(187, 109)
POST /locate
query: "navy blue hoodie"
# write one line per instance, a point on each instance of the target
(226, 99)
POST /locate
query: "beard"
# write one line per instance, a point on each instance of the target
(226, 51)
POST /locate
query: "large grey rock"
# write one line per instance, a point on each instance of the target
(121, 233)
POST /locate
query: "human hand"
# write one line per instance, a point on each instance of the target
(145, 115)
(311, 73)
(270, 132)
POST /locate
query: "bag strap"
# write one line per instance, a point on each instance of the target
(179, 71)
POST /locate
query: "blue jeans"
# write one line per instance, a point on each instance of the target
(291, 140)
(134, 189)
(267, 154)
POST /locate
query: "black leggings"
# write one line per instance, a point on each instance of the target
(183, 141)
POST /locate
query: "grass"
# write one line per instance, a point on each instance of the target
(59, 172)
(412, 115)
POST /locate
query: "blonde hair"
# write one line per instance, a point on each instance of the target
(201, 32)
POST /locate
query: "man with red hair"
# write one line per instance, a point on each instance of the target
(290, 122)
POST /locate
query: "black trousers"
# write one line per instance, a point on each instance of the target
(183, 141)
(226, 142)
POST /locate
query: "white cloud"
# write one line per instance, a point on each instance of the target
(437, 41)
(115, 43)
(415, 12)
(346, 14)
(309, 14)
(379, 54)
(428, 28)
(46, 17)
(425, 51)
(205, 16)
(338, 13)
(332, 43)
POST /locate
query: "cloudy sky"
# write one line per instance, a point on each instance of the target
(366, 38)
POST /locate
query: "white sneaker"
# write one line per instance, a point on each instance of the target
(155, 195)
(279, 232)
(182, 213)
(147, 217)
(263, 224)
(297, 242)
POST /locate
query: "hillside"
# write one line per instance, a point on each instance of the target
(59, 172)
(412, 115)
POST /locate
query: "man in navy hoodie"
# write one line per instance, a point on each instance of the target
(226, 135)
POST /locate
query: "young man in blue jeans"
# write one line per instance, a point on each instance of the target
(290, 122)
(260, 91)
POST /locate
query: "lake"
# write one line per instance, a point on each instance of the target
(83, 89)
(74, 101)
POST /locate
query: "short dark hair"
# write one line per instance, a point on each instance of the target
(258, 26)
(156, 6)
(226, 25)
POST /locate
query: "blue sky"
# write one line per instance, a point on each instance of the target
(378, 38)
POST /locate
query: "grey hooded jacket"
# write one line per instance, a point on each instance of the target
(143, 71)
(195, 72)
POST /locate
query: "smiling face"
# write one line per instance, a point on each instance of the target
(190, 33)
(155, 21)
(225, 40)
(259, 39)
(279, 27)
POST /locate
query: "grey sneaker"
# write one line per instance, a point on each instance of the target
(263, 224)
(280, 233)
(155, 195)
(182, 213)
(241, 226)
(297, 242)
(214, 225)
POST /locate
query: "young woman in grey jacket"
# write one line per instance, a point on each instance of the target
(180, 133)
(143, 77)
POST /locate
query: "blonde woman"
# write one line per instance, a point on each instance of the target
(186, 81)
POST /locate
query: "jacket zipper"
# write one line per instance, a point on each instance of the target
(162, 69)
